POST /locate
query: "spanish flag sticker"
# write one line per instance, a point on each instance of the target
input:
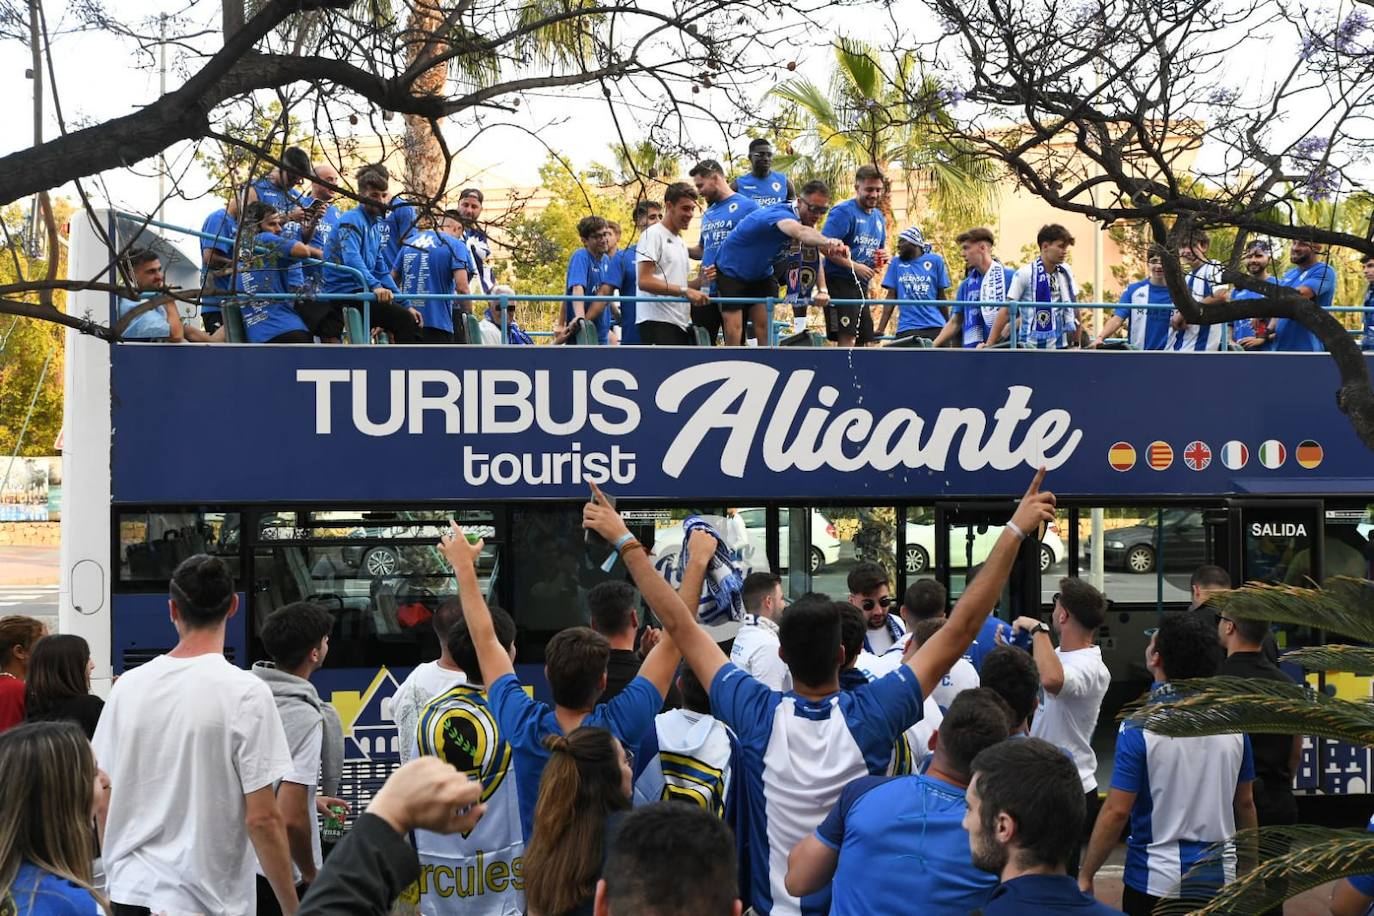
(1309, 453)
(1121, 456)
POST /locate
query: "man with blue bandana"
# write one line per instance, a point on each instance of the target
(761, 184)
(916, 273)
(862, 227)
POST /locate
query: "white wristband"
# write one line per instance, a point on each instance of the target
(1016, 530)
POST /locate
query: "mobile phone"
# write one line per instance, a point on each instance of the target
(591, 537)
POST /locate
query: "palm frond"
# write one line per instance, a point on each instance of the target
(1231, 705)
(1353, 659)
(1292, 860)
(809, 97)
(1343, 605)
(857, 70)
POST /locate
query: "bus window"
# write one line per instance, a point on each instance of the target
(1149, 553)
(918, 557)
(1054, 555)
(151, 544)
(841, 537)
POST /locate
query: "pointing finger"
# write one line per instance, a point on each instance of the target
(1035, 484)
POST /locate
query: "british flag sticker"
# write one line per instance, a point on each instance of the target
(1197, 456)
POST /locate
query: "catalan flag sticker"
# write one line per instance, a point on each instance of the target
(1160, 455)
(1235, 455)
(1272, 454)
(1309, 453)
(1121, 456)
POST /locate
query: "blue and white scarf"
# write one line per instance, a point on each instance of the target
(1047, 323)
(724, 598)
(894, 629)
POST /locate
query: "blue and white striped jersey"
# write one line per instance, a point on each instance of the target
(687, 756)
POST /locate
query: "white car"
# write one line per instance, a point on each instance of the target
(824, 551)
(920, 546)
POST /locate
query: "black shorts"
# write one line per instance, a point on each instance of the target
(293, 337)
(727, 287)
(664, 334)
(212, 321)
(324, 319)
(436, 336)
(707, 317)
(927, 333)
(856, 320)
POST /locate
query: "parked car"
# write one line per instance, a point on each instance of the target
(1179, 533)
(824, 550)
(920, 545)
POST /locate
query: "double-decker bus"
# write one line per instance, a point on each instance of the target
(328, 473)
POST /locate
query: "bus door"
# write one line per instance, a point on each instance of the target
(965, 534)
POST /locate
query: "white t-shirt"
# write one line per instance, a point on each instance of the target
(491, 332)
(668, 253)
(305, 771)
(756, 651)
(1067, 720)
(184, 740)
(425, 682)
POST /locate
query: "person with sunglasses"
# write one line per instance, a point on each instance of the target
(744, 261)
(1074, 679)
(868, 591)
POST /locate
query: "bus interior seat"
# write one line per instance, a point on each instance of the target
(353, 323)
(472, 329)
(701, 336)
(233, 324)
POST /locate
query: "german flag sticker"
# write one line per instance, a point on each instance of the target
(1160, 455)
(1309, 453)
(1121, 456)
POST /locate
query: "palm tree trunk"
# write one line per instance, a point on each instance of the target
(424, 155)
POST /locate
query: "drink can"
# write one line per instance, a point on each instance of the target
(334, 823)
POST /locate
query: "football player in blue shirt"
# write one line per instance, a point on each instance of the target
(267, 271)
(575, 663)
(725, 207)
(761, 184)
(745, 260)
(1313, 279)
(321, 217)
(435, 261)
(588, 274)
(217, 261)
(1254, 333)
(1148, 327)
(985, 320)
(862, 227)
(646, 213)
(808, 744)
(277, 188)
(916, 273)
(866, 843)
(1025, 812)
(1367, 337)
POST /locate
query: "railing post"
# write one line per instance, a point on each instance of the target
(503, 303)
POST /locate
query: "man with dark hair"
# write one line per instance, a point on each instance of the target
(273, 269)
(646, 213)
(868, 591)
(1142, 308)
(664, 315)
(1052, 320)
(428, 680)
(1312, 278)
(459, 727)
(724, 209)
(669, 859)
(756, 647)
(924, 599)
(160, 320)
(296, 637)
(984, 322)
(1254, 334)
(194, 747)
(278, 187)
(689, 755)
(435, 261)
(806, 745)
(1073, 676)
(1182, 796)
(587, 275)
(1204, 278)
(479, 246)
(1367, 325)
(357, 243)
(761, 184)
(861, 226)
(1207, 580)
(1025, 812)
(892, 842)
(614, 613)
(1012, 675)
(575, 666)
(744, 261)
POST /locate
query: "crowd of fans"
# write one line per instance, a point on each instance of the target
(848, 757)
(761, 241)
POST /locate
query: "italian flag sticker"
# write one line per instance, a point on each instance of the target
(1272, 454)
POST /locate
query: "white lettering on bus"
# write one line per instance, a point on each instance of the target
(1278, 529)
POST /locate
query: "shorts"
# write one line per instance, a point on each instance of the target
(212, 321)
(927, 333)
(856, 320)
(293, 337)
(324, 319)
(730, 288)
(707, 317)
(436, 336)
(664, 334)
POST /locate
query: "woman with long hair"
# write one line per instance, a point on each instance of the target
(585, 787)
(59, 684)
(48, 794)
(18, 634)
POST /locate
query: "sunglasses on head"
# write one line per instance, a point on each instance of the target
(869, 604)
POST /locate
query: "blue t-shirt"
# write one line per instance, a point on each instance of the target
(36, 892)
(977, 319)
(525, 723)
(356, 242)
(1057, 894)
(1368, 306)
(324, 228)
(629, 286)
(1242, 328)
(278, 198)
(986, 640)
(718, 221)
(765, 191)
(902, 839)
(396, 226)
(805, 752)
(750, 249)
(268, 272)
(151, 325)
(1364, 883)
(864, 233)
(923, 277)
(589, 272)
(428, 260)
(225, 230)
(1148, 329)
(1291, 336)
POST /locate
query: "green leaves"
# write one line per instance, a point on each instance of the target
(1343, 605)
(1230, 705)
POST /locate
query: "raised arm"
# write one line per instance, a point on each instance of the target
(696, 644)
(462, 557)
(939, 653)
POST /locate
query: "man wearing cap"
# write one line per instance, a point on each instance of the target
(860, 225)
(917, 273)
(1254, 333)
(479, 246)
(1313, 279)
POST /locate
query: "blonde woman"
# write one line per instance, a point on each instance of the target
(50, 788)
